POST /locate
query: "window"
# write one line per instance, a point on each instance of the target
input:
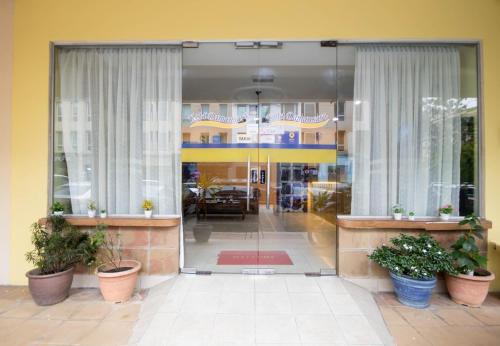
(223, 110)
(205, 108)
(413, 136)
(204, 138)
(117, 148)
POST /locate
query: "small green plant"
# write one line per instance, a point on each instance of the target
(320, 200)
(207, 184)
(446, 209)
(57, 207)
(411, 213)
(59, 246)
(465, 251)
(147, 204)
(398, 209)
(91, 205)
(416, 257)
(103, 211)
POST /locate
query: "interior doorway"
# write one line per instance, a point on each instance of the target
(260, 130)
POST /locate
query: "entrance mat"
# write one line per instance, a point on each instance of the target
(254, 258)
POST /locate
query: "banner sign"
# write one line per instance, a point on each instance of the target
(289, 119)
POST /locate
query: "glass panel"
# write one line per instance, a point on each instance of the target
(297, 158)
(219, 168)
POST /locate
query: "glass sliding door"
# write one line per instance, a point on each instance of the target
(259, 157)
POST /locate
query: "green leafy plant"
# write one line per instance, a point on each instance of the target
(321, 200)
(398, 209)
(109, 249)
(207, 184)
(57, 207)
(91, 205)
(59, 246)
(147, 204)
(465, 251)
(416, 257)
(411, 213)
(103, 211)
(446, 209)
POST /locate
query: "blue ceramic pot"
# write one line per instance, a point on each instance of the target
(413, 292)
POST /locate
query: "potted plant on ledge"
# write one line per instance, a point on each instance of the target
(469, 284)
(148, 206)
(57, 209)
(445, 212)
(58, 248)
(397, 212)
(413, 263)
(117, 277)
(91, 209)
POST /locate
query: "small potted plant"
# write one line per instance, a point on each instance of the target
(147, 205)
(470, 283)
(57, 208)
(103, 214)
(117, 277)
(413, 263)
(91, 209)
(58, 248)
(397, 212)
(411, 216)
(445, 212)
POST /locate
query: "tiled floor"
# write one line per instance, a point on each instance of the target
(443, 323)
(83, 319)
(261, 310)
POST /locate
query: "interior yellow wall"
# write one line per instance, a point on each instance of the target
(36, 23)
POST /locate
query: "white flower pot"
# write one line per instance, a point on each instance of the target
(148, 213)
(91, 213)
(58, 213)
(444, 217)
(103, 215)
(398, 216)
(411, 217)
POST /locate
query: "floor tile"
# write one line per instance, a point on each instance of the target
(234, 328)
(301, 284)
(24, 310)
(7, 304)
(308, 303)
(457, 317)
(70, 332)
(420, 317)
(407, 335)
(488, 315)
(192, 329)
(8, 326)
(272, 303)
(276, 329)
(30, 331)
(238, 283)
(329, 284)
(392, 317)
(61, 311)
(91, 311)
(201, 302)
(343, 304)
(159, 329)
(109, 333)
(124, 312)
(270, 284)
(236, 303)
(319, 329)
(357, 330)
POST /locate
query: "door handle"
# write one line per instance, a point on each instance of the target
(268, 186)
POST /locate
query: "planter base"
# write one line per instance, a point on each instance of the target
(49, 289)
(467, 289)
(411, 292)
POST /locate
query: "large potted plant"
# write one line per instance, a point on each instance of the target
(469, 284)
(58, 248)
(413, 263)
(117, 277)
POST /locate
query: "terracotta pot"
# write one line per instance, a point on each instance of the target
(118, 287)
(49, 289)
(470, 290)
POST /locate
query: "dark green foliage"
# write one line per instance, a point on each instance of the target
(465, 251)
(59, 246)
(57, 206)
(417, 257)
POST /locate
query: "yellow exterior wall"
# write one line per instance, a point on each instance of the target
(36, 23)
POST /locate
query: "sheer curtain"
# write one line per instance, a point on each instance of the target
(406, 129)
(120, 121)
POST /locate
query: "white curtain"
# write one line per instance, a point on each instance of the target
(120, 121)
(406, 129)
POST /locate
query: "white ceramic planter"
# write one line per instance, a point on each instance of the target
(411, 217)
(444, 217)
(58, 213)
(148, 213)
(103, 215)
(398, 216)
(91, 213)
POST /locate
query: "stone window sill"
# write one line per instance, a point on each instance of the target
(428, 224)
(123, 221)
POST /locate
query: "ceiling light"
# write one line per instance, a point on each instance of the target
(246, 44)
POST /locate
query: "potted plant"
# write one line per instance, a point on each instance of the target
(411, 216)
(413, 263)
(397, 212)
(148, 206)
(91, 209)
(57, 208)
(103, 214)
(206, 185)
(117, 277)
(469, 284)
(58, 248)
(445, 212)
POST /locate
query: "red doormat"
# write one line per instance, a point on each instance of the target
(254, 257)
